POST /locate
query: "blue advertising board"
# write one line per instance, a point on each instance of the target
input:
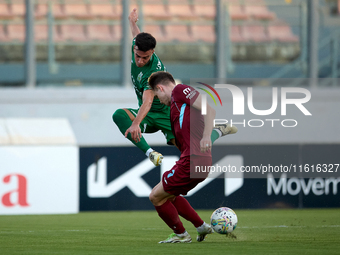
(121, 178)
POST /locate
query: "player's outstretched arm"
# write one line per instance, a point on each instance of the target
(133, 18)
(208, 124)
(134, 129)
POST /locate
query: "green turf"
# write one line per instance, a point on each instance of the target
(290, 232)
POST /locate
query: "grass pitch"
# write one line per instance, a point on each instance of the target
(307, 231)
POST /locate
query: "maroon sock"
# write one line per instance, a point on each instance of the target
(169, 215)
(186, 211)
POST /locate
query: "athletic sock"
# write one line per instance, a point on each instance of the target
(147, 153)
(215, 135)
(187, 212)
(201, 228)
(183, 234)
(123, 122)
(169, 215)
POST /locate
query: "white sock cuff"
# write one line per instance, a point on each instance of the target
(218, 131)
(183, 234)
(147, 153)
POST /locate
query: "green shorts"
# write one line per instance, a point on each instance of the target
(155, 121)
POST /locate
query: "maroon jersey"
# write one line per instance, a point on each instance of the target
(187, 123)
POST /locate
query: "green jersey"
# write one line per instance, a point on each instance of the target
(140, 76)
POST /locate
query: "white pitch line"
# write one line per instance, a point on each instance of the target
(284, 226)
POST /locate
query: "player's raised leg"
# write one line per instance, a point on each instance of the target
(123, 119)
(222, 130)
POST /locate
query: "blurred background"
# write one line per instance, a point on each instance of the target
(81, 43)
(65, 69)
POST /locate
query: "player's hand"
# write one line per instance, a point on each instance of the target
(205, 144)
(133, 17)
(135, 131)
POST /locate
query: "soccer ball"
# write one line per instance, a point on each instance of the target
(223, 220)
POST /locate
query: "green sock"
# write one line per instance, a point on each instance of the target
(123, 122)
(214, 136)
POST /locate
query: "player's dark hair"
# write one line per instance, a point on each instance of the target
(145, 42)
(160, 77)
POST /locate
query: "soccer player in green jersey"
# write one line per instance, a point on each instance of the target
(151, 115)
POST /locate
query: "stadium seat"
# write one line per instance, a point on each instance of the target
(16, 32)
(236, 12)
(156, 31)
(178, 33)
(235, 34)
(4, 11)
(282, 33)
(41, 11)
(100, 33)
(79, 11)
(3, 35)
(41, 33)
(181, 10)
(155, 11)
(205, 11)
(58, 11)
(205, 33)
(259, 12)
(117, 32)
(73, 33)
(255, 33)
(104, 10)
(18, 10)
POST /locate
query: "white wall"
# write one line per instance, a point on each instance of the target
(89, 111)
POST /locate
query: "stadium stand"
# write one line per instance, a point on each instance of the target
(91, 22)
(178, 33)
(117, 33)
(41, 33)
(74, 33)
(204, 11)
(58, 11)
(101, 33)
(281, 33)
(237, 12)
(181, 10)
(205, 33)
(16, 32)
(40, 11)
(78, 11)
(235, 35)
(157, 32)
(255, 33)
(156, 12)
(3, 35)
(103, 11)
(17, 9)
(259, 12)
(5, 12)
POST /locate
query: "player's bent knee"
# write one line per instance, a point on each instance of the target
(119, 115)
(152, 198)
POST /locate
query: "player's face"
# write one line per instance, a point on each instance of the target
(163, 95)
(142, 57)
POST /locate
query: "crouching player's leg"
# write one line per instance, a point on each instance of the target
(168, 213)
(169, 204)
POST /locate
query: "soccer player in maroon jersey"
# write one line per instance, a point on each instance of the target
(192, 132)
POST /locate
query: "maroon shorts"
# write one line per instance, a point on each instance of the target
(177, 181)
